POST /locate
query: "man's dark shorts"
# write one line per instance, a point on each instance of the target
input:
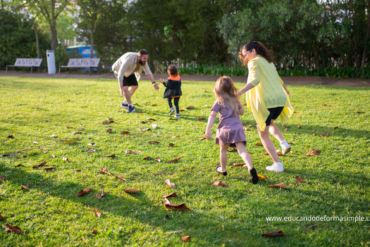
(130, 81)
(274, 114)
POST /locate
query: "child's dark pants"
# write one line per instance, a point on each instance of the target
(176, 102)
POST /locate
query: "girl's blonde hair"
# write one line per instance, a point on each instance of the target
(225, 92)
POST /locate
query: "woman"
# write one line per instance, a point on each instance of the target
(267, 98)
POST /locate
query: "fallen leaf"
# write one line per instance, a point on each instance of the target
(90, 150)
(171, 145)
(125, 132)
(259, 144)
(108, 121)
(132, 152)
(70, 141)
(220, 184)
(144, 129)
(19, 165)
(41, 164)
(102, 192)
(43, 150)
(105, 171)
(5, 155)
(68, 127)
(186, 238)
(273, 234)
(313, 153)
(157, 159)
(78, 170)
(199, 139)
(151, 119)
(131, 191)
(81, 129)
(326, 105)
(97, 213)
(300, 179)
(236, 164)
(10, 136)
(232, 150)
(286, 129)
(147, 157)
(143, 122)
(10, 228)
(298, 127)
(179, 231)
(50, 168)
(77, 132)
(171, 206)
(121, 178)
(84, 192)
(359, 112)
(25, 187)
(190, 107)
(94, 231)
(170, 195)
(110, 156)
(279, 153)
(109, 131)
(281, 185)
(177, 159)
(154, 126)
(314, 134)
(201, 118)
(35, 142)
(1, 217)
(2, 178)
(175, 136)
(153, 142)
(53, 136)
(168, 182)
(172, 118)
(336, 127)
(325, 135)
(65, 159)
(53, 155)
(167, 217)
(182, 110)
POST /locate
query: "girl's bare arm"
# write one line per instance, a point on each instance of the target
(211, 120)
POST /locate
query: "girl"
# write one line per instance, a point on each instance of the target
(173, 89)
(230, 131)
(267, 98)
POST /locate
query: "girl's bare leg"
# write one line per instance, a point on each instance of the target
(223, 157)
(267, 144)
(275, 131)
(244, 154)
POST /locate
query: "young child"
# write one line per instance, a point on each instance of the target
(230, 131)
(173, 89)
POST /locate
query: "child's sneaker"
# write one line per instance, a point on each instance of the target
(285, 147)
(254, 175)
(276, 167)
(178, 115)
(172, 111)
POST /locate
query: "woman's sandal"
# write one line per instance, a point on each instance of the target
(254, 175)
(223, 173)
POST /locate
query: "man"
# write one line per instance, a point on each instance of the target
(127, 70)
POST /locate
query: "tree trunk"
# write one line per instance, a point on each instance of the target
(53, 26)
(367, 34)
(37, 43)
(92, 44)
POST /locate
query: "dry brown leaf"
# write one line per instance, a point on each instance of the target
(220, 184)
(125, 132)
(170, 195)
(325, 135)
(175, 136)
(110, 156)
(77, 132)
(19, 165)
(190, 107)
(299, 127)
(259, 144)
(171, 206)
(121, 178)
(286, 129)
(186, 238)
(10, 228)
(238, 164)
(281, 185)
(131, 191)
(53, 155)
(50, 168)
(359, 112)
(157, 159)
(177, 159)
(300, 179)
(1, 217)
(105, 171)
(68, 127)
(5, 155)
(313, 153)
(151, 119)
(83, 192)
(182, 110)
(65, 159)
(201, 118)
(41, 164)
(314, 134)
(336, 127)
(97, 213)
(153, 142)
(43, 150)
(171, 145)
(109, 131)
(232, 150)
(168, 182)
(97, 196)
(199, 139)
(10, 136)
(25, 187)
(78, 170)
(94, 231)
(53, 136)
(90, 150)
(132, 152)
(143, 129)
(143, 122)
(108, 121)
(326, 105)
(102, 192)
(173, 118)
(279, 153)
(273, 234)
(147, 157)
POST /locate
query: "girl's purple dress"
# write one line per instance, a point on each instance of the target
(230, 129)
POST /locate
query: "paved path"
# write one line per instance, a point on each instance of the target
(290, 80)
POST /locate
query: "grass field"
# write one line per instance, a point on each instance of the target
(51, 214)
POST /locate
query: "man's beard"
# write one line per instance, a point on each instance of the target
(141, 62)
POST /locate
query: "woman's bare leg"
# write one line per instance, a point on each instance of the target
(267, 144)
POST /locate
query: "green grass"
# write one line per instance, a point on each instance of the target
(33, 109)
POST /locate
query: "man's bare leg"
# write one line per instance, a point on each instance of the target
(131, 90)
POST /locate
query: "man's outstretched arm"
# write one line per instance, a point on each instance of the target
(151, 78)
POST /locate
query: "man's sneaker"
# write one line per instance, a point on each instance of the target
(285, 147)
(276, 167)
(178, 115)
(130, 109)
(172, 111)
(124, 105)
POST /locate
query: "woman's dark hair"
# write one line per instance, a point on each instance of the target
(260, 50)
(173, 69)
(142, 52)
